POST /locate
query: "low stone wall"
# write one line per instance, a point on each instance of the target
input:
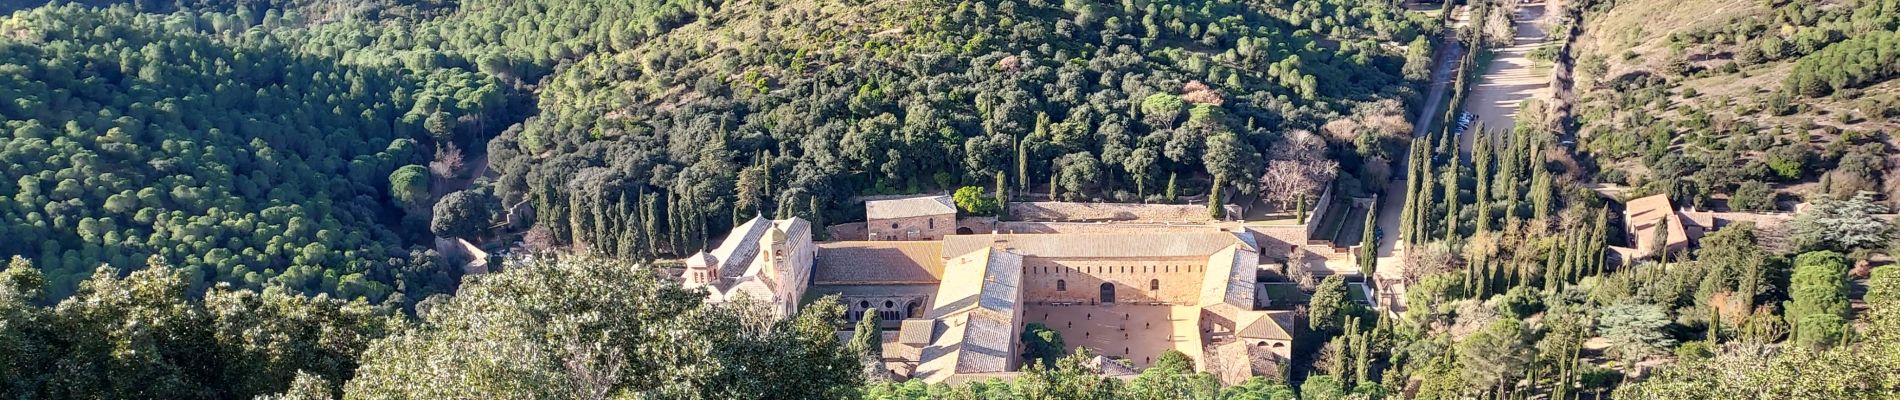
(1096, 227)
(845, 231)
(1068, 211)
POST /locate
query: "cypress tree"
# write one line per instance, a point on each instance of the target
(649, 209)
(1022, 165)
(1660, 241)
(578, 220)
(817, 212)
(1054, 173)
(1368, 244)
(1170, 193)
(1411, 194)
(1002, 195)
(1362, 354)
(1213, 197)
(1599, 237)
(1421, 224)
(867, 338)
(1542, 195)
(1299, 211)
(1553, 268)
(1451, 200)
(1481, 160)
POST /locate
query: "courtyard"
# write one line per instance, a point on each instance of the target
(1138, 333)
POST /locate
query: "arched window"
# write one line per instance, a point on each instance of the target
(1154, 284)
(1108, 293)
(933, 224)
(1062, 286)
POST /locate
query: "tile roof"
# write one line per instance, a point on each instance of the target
(975, 316)
(1100, 245)
(1230, 277)
(879, 262)
(916, 331)
(909, 207)
(1266, 325)
(1641, 216)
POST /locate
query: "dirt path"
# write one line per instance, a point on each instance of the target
(1392, 202)
(1509, 79)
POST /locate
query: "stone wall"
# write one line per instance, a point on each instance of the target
(1069, 211)
(928, 227)
(1095, 227)
(1135, 281)
(1290, 244)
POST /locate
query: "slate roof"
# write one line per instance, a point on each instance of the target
(909, 207)
(878, 262)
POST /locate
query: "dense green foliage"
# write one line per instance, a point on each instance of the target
(592, 328)
(784, 109)
(243, 161)
(1074, 377)
(146, 336)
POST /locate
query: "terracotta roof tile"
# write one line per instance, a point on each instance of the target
(878, 262)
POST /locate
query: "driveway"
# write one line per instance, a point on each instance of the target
(1509, 79)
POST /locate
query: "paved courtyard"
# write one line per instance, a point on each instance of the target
(1138, 333)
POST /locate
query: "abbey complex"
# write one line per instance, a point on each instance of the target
(954, 300)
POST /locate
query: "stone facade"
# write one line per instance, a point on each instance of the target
(1173, 281)
(923, 227)
(765, 260)
(916, 218)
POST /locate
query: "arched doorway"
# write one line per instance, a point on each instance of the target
(964, 231)
(1108, 293)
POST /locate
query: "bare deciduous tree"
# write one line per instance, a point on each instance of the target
(1299, 169)
(448, 163)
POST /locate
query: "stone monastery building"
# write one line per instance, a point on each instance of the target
(959, 305)
(765, 260)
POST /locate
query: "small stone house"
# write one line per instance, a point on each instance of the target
(915, 218)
